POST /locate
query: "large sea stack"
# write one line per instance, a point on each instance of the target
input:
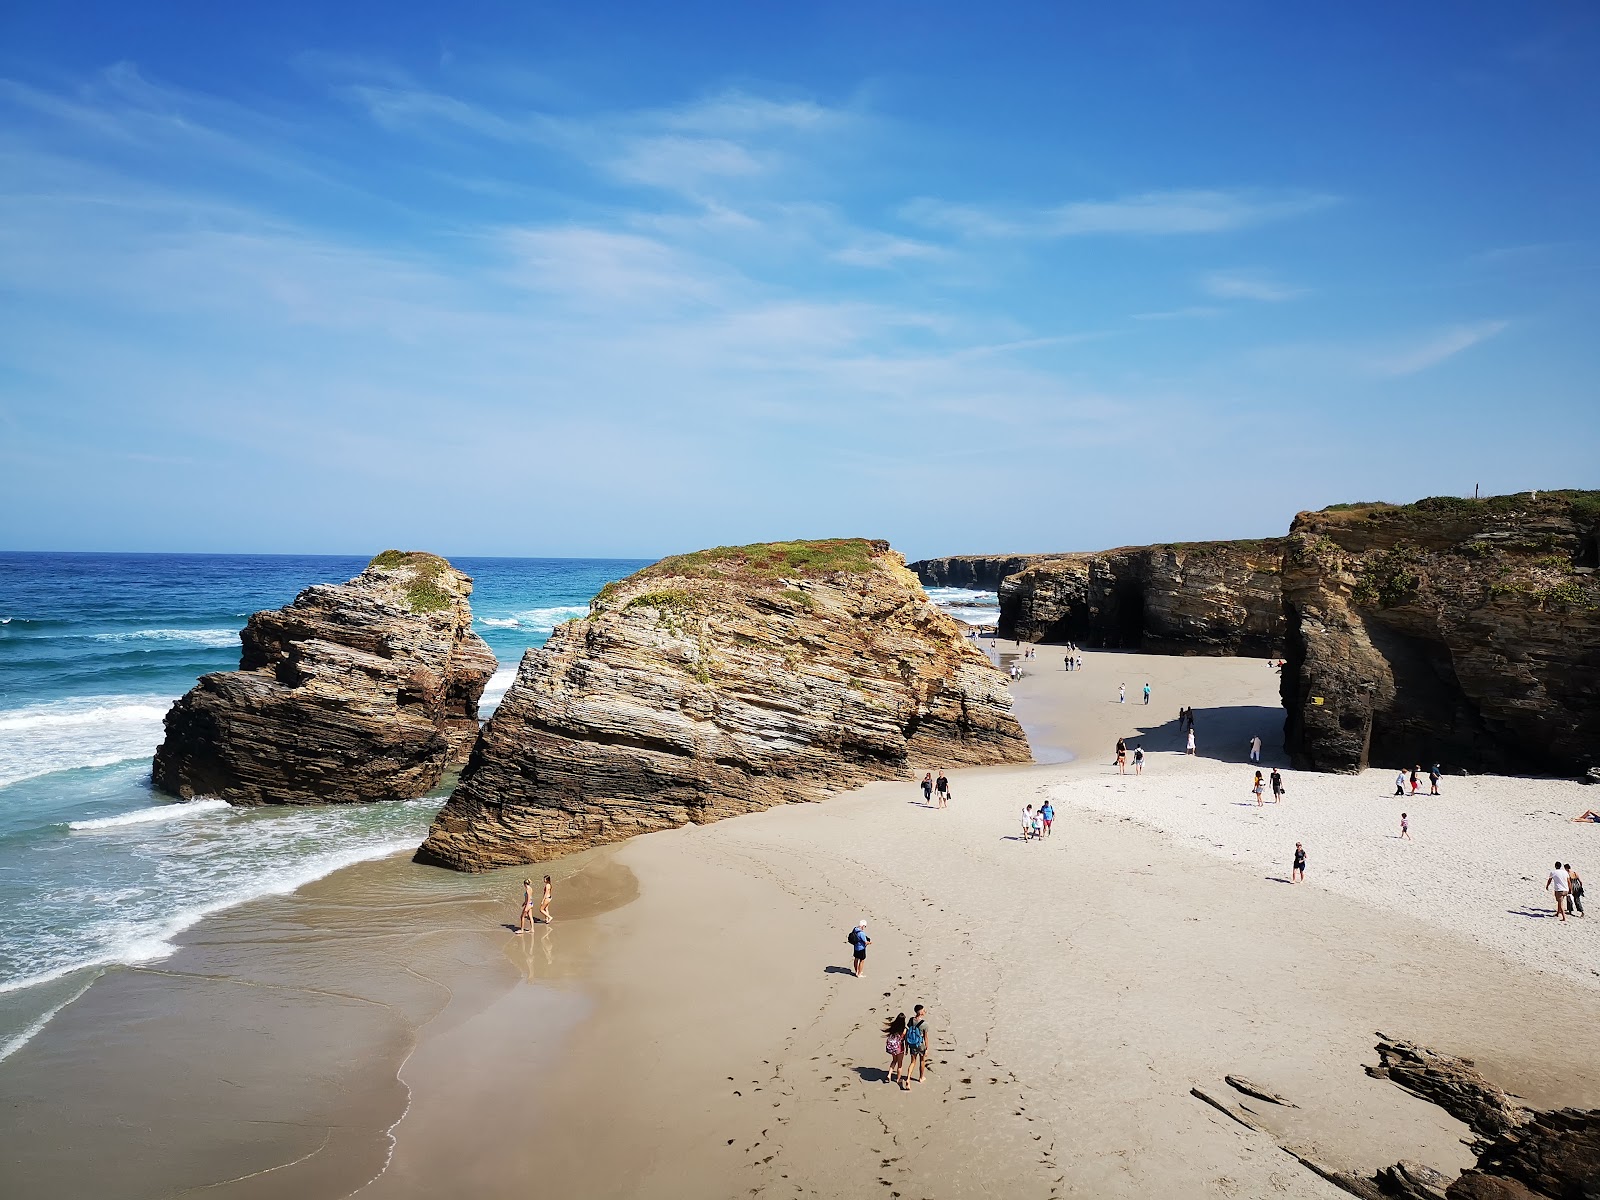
(1464, 632)
(720, 683)
(357, 691)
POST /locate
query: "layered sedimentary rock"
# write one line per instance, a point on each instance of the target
(719, 683)
(1462, 632)
(981, 572)
(356, 691)
(1185, 598)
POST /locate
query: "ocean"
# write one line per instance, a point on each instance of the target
(99, 870)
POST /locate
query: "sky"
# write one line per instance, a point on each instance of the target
(630, 279)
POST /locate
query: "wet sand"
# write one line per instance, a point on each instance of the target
(707, 1037)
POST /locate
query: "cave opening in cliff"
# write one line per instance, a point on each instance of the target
(1127, 617)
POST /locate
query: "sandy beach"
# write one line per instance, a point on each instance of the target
(708, 1038)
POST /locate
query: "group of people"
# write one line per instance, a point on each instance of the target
(1568, 888)
(1036, 822)
(1277, 787)
(1122, 758)
(1073, 659)
(1433, 781)
(525, 920)
(1122, 693)
(935, 787)
(905, 1041)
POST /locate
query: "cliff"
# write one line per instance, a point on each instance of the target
(981, 572)
(1464, 632)
(1185, 598)
(356, 691)
(719, 683)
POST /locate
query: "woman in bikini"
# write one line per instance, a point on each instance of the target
(1257, 789)
(526, 919)
(544, 904)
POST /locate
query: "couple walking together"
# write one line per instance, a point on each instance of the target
(932, 787)
(905, 1039)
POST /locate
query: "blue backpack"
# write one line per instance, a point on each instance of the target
(916, 1039)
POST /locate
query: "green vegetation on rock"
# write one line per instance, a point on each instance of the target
(422, 590)
(1389, 579)
(766, 561)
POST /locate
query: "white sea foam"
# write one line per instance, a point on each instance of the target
(537, 620)
(149, 943)
(193, 637)
(494, 691)
(963, 596)
(144, 816)
(91, 731)
(20, 1039)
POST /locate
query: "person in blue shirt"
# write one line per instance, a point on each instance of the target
(1048, 813)
(860, 941)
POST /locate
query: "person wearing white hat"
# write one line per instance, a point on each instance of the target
(860, 941)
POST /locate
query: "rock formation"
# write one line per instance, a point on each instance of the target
(357, 691)
(1463, 632)
(719, 683)
(981, 572)
(1186, 598)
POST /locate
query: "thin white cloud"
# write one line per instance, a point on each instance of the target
(683, 164)
(739, 112)
(1248, 285)
(1435, 349)
(879, 250)
(1165, 213)
(1181, 314)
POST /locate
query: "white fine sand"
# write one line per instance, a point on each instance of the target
(1078, 988)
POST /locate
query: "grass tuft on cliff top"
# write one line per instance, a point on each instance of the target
(1582, 506)
(422, 590)
(769, 561)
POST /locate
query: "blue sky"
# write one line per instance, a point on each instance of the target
(630, 279)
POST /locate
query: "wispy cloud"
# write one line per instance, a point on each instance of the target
(1435, 349)
(1146, 213)
(1181, 314)
(884, 250)
(1248, 285)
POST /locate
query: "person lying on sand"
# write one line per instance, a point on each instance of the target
(1589, 814)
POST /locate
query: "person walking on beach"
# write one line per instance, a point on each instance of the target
(941, 784)
(1138, 760)
(927, 787)
(1147, 694)
(1038, 824)
(1066, 661)
(1190, 749)
(894, 1044)
(544, 903)
(1277, 786)
(916, 1046)
(1400, 783)
(1415, 782)
(1560, 883)
(1298, 875)
(1255, 748)
(1433, 780)
(1256, 789)
(1405, 827)
(526, 919)
(944, 796)
(1574, 890)
(1122, 693)
(1047, 813)
(1027, 822)
(1122, 756)
(859, 941)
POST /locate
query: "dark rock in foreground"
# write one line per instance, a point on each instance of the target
(356, 691)
(1464, 632)
(720, 683)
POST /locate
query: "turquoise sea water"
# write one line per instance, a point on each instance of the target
(96, 868)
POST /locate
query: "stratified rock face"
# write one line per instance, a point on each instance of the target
(357, 691)
(720, 683)
(1187, 598)
(981, 572)
(1462, 632)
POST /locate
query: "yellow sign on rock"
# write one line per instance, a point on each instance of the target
(1316, 700)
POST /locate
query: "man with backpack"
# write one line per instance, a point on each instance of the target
(916, 1044)
(859, 941)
